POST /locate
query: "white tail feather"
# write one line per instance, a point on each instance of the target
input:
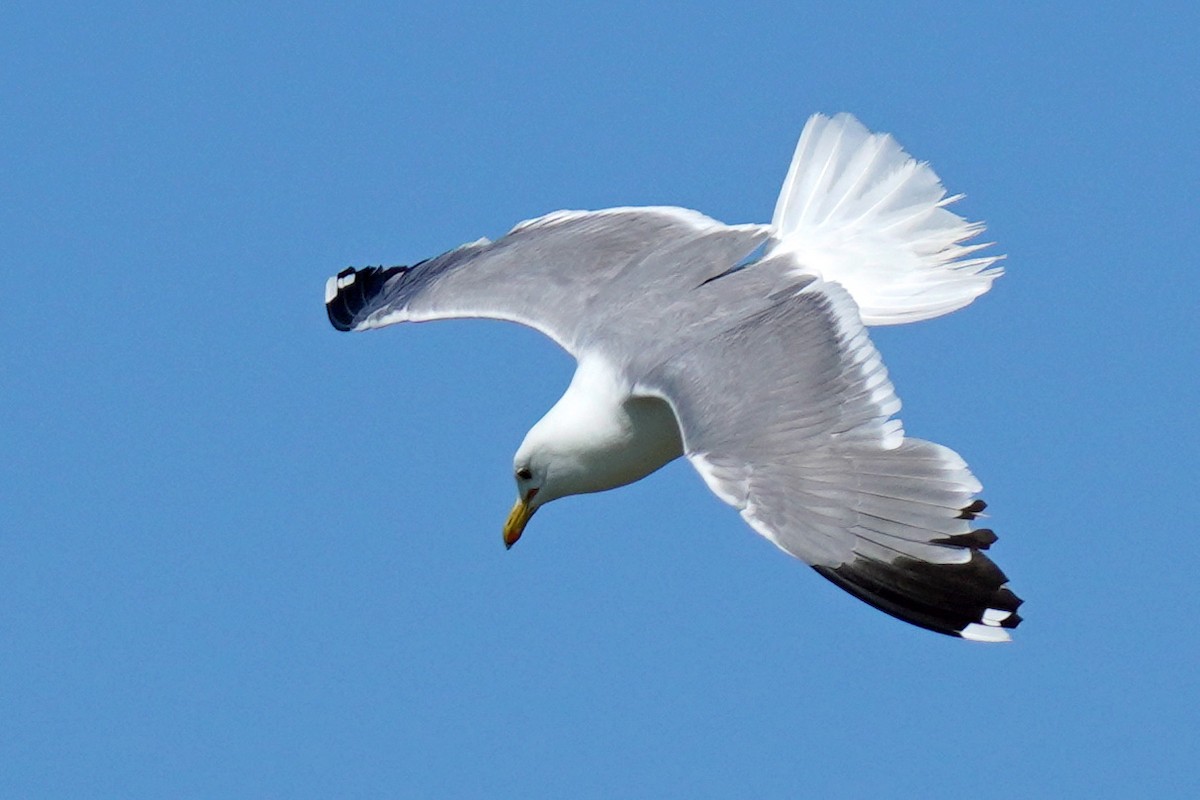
(858, 210)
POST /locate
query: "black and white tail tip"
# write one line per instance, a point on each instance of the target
(349, 294)
(970, 599)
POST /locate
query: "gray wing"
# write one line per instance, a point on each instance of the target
(575, 276)
(787, 416)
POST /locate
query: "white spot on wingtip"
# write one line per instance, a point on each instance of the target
(984, 633)
(336, 284)
(994, 616)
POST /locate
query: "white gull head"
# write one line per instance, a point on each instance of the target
(598, 436)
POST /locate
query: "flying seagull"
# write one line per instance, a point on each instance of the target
(743, 347)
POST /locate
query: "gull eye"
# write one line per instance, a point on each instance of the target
(524, 473)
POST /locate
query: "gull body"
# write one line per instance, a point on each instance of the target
(744, 348)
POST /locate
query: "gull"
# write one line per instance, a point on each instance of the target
(745, 349)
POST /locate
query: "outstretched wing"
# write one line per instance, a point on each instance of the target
(573, 275)
(856, 209)
(787, 416)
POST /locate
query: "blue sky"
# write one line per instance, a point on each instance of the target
(242, 555)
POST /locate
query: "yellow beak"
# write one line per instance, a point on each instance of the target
(518, 518)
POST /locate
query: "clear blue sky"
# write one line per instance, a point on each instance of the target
(242, 555)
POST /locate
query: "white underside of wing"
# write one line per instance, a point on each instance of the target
(858, 210)
(837, 479)
(730, 483)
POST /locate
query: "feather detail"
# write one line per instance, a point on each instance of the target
(857, 210)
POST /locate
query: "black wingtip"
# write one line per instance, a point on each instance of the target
(978, 539)
(337, 304)
(973, 510)
(349, 293)
(954, 599)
